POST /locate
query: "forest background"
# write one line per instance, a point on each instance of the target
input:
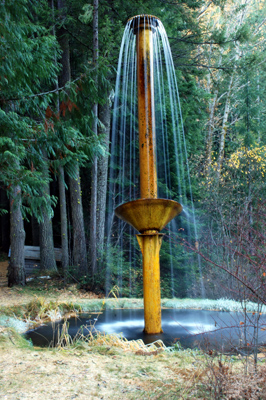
(57, 78)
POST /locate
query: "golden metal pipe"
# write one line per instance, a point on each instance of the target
(150, 245)
(146, 117)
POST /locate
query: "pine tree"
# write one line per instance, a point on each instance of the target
(26, 70)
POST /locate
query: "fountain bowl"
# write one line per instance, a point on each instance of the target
(148, 214)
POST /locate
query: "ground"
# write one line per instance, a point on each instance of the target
(111, 370)
(81, 371)
(78, 374)
(3, 272)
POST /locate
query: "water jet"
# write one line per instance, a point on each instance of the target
(149, 214)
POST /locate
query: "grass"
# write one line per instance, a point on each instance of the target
(11, 336)
(52, 304)
(109, 366)
(222, 304)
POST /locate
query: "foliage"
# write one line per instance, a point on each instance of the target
(27, 68)
(45, 126)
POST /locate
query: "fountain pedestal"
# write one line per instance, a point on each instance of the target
(150, 244)
(149, 217)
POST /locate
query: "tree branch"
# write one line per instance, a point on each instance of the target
(41, 94)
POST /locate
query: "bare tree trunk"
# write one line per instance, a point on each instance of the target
(79, 242)
(94, 173)
(65, 75)
(224, 128)
(93, 217)
(16, 269)
(258, 104)
(102, 173)
(63, 219)
(4, 221)
(209, 138)
(212, 106)
(48, 262)
(63, 40)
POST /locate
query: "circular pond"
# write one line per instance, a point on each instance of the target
(222, 331)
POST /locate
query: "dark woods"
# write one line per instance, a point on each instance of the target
(57, 78)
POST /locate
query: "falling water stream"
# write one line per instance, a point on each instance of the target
(123, 256)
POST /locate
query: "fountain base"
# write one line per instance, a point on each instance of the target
(149, 216)
(150, 245)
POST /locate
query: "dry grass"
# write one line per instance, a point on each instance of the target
(110, 367)
(98, 369)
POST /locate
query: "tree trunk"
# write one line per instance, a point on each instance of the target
(48, 262)
(16, 269)
(102, 174)
(79, 242)
(212, 106)
(224, 128)
(259, 108)
(63, 217)
(4, 221)
(63, 40)
(93, 217)
(209, 138)
(64, 78)
(94, 173)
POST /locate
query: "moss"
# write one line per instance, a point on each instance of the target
(10, 336)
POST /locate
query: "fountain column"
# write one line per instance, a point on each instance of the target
(148, 214)
(146, 117)
(150, 244)
(150, 240)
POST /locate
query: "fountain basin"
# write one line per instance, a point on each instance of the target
(222, 331)
(148, 214)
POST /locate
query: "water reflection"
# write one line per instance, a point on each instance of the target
(207, 329)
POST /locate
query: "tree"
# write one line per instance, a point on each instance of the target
(61, 181)
(16, 268)
(47, 254)
(27, 50)
(102, 174)
(94, 173)
(234, 48)
(79, 242)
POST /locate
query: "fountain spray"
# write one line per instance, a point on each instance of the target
(149, 215)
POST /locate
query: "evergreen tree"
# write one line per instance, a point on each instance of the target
(27, 70)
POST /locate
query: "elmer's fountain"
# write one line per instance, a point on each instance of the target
(148, 168)
(149, 214)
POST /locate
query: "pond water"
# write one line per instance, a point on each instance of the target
(222, 331)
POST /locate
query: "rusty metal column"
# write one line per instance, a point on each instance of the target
(150, 244)
(149, 241)
(146, 116)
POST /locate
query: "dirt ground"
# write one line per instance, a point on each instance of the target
(16, 296)
(3, 273)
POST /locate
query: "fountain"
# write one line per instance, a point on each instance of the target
(136, 161)
(149, 214)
